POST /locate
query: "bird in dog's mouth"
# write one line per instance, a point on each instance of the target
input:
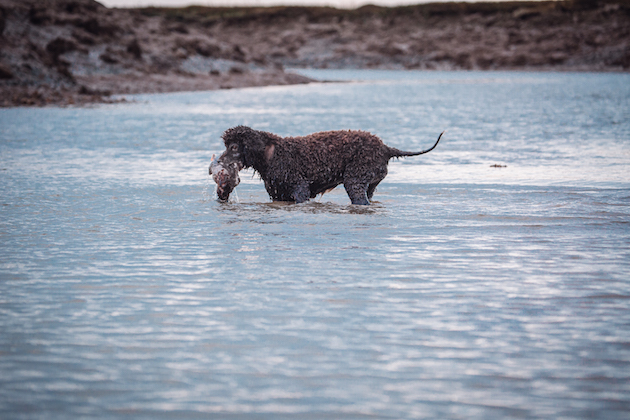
(225, 176)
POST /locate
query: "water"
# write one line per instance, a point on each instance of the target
(465, 291)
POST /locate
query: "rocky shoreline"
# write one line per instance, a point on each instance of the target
(63, 52)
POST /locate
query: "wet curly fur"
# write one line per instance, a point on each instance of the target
(299, 168)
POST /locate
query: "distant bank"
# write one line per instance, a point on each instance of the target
(77, 51)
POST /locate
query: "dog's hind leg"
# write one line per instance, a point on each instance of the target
(357, 191)
(372, 187)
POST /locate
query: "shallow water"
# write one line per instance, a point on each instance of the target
(465, 291)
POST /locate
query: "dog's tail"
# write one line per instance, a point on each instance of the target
(393, 152)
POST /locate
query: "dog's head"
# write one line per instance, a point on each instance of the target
(244, 148)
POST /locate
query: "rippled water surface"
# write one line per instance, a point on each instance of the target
(466, 291)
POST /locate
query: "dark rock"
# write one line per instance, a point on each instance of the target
(3, 20)
(519, 60)
(558, 57)
(622, 60)
(526, 13)
(463, 60)
(73, 7)
(134, 49)
(207, 49)
(237, 70)
(182, 29)
(5, 72)
(108, 57)
(200, 46)
(39, 16)
(84, 90)
(91, 25)
(586, 4)
(162, 64)
(238, 54)
(60, 46)
(83, 37)
(95, 27)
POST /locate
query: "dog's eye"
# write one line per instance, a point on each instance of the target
(234, 148)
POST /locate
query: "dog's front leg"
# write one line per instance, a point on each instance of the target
(301, 193)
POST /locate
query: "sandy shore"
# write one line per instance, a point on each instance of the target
(77, 51)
